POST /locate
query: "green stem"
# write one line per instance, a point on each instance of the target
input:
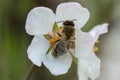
(30, 72)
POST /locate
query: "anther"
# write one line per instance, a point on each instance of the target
(98, 41)
(95, 49)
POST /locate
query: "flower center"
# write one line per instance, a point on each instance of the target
(61, 39)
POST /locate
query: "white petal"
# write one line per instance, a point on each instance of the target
(37, 49)
(87, 59)
(84, 43)
(91, 65)
(58, 66)
(40, 20)
(81, 73)
(70, 11)
(98, 30)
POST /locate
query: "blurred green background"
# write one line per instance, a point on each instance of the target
(14, 40)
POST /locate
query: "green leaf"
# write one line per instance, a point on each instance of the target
(55, 27)
(50, 48)
(47, 36)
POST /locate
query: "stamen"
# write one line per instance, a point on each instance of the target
(48, 32)
(51, 34)
(98, 41)
(95, 49)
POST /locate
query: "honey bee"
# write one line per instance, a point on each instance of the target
(67, 40)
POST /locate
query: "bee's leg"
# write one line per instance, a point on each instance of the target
(72, 38)
(72, 47)
(59, 34)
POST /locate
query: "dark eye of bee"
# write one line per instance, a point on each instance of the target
(68, 23)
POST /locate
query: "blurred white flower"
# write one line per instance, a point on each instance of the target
(40, 21)
(89, 63)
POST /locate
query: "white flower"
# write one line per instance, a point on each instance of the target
(40, 21)
(89, 63)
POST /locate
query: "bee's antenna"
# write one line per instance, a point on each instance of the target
(74, 20)
(70, 20)
(60, 21)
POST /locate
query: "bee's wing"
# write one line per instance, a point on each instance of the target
(61, 47)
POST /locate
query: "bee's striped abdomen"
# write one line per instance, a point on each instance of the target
(59, 49)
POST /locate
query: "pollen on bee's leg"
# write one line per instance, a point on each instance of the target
(95, 49)
(51, 41)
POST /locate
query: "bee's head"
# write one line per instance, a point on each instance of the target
(68, 28)
(68, 23)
